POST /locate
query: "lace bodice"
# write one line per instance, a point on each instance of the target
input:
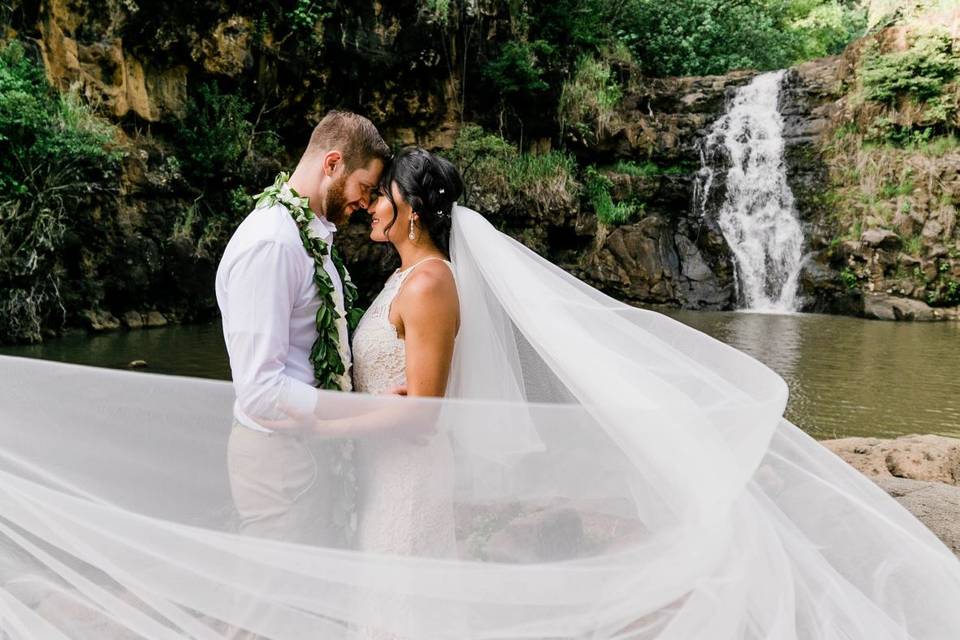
(379, 357)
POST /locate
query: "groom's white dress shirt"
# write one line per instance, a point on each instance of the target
(269, 303)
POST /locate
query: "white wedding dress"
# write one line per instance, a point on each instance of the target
(405, 489)
(406, 500)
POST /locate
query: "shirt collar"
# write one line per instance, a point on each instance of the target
(322, 228)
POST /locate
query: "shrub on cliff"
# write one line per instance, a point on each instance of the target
(920, 73)
(596, 188)
(501, 178)
(225, 151)
(910, 97)
(589, 99)
(57, 156)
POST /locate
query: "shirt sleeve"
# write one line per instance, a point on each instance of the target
(261, 289)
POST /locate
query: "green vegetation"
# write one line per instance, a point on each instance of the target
(894, 189)
(58, 158)
(221, 146)
(218, 137)
(919, 73)
(588, 100)
(494, 168)
(597, 191)
(436, 10)
(913, 245)
(649, 168)
(849, 278)
(699, 37)
(516, 72)
(307, 18)
(918, 91)
(943, 292)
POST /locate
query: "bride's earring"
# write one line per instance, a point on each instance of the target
(412, 236)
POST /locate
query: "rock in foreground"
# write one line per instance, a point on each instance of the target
(922, 472)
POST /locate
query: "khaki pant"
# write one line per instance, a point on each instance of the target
(282, 487)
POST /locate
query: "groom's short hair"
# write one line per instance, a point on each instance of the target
(352, 135)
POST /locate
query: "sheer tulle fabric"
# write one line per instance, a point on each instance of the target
(615, 475)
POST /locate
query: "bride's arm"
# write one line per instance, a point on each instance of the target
(429, 316)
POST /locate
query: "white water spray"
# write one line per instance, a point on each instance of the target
(758, 217)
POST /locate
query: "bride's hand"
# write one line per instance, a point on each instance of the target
(397, 391)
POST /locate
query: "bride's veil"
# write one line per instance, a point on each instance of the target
(615, 475)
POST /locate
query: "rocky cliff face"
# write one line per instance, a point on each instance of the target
(151, 241)
(143, 62)
(673, 254)
(885, 185)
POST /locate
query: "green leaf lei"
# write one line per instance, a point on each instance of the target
(327, 357)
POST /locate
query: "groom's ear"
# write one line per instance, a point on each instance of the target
(331, 160)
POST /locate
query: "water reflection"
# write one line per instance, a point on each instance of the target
(192, 350)
(849, 376)
(846, 376)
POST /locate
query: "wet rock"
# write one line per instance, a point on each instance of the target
(155, 319)
(932, 230)
(133, 320)
(887, 307)
(98, 320)
(822, 290)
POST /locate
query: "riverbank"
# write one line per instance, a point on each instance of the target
(922, 472)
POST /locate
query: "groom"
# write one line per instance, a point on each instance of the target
(280, 280)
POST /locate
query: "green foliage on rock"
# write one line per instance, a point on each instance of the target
(920, 73)
(596, 188)
(217, 135)
(589, 99)
(58, 155)
(517, 70)
(221, 146)
(499, 176)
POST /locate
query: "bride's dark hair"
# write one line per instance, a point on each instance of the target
(430, 185)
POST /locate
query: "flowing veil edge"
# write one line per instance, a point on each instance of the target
(616, 474)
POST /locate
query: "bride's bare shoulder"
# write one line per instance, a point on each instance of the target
(430, 290)
(430, 280)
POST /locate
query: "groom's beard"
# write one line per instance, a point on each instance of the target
(335, 203)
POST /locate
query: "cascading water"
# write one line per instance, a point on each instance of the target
(757, 217)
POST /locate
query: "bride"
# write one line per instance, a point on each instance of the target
(564, 466)
(406, 339)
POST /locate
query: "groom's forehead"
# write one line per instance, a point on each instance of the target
(370, 174)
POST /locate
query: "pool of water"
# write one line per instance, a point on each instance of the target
(846, 376)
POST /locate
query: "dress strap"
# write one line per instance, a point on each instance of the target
(403, 274)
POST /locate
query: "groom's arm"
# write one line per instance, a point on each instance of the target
(261, 290)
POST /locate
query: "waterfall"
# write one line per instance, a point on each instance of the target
(757, 217)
